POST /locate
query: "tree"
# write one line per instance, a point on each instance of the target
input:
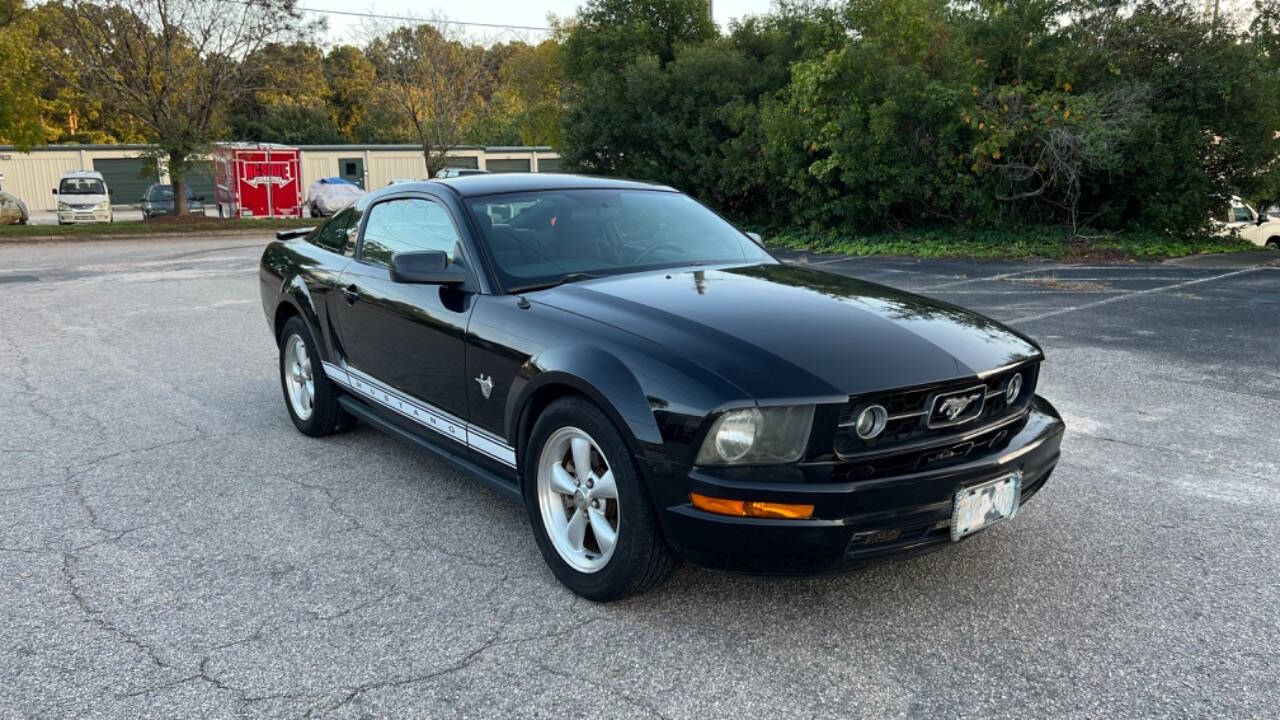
(350, 77)
(20, 80)
(172, 65)
(288, 97)
(433, 81)
(524, 104)
(608, 34)
(609, 50)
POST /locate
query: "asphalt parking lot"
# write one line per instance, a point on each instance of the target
(171, 547)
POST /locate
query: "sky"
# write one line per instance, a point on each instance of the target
(344, 28)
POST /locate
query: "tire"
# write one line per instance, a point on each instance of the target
(324, 416)
(1273, 243)
(639, 558)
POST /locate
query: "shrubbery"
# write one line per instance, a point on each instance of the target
(876, 115)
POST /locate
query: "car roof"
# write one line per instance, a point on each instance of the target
(82, 174)
(499, 183)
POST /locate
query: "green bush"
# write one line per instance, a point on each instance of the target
(881, 116)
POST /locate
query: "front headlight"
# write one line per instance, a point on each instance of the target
(757, 436)
(63, 206)
(103, 206)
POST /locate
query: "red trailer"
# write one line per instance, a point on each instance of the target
(257, 180)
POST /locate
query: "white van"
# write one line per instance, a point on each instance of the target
(83, 198)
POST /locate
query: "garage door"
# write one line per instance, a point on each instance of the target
(462, 161)
(125, 179)
(551, 165)
(507, 166)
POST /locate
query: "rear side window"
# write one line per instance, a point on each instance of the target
(407, 225)
(335, 234)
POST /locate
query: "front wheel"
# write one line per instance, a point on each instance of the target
(1274, 243)
(591, 513)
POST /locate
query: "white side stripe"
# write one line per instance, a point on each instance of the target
(423, 413)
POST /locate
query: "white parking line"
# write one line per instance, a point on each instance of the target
(1135, 293)
(1029, 291)
(1000, 276)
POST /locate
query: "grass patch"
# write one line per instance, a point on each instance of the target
(199, 226)
(1051, 243)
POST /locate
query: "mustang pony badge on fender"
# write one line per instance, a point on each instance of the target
(486, 385)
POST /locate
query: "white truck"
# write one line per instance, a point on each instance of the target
(1247, 223)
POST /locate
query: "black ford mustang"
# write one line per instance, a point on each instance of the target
(650, 382)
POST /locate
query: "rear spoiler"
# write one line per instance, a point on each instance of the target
(293, 234)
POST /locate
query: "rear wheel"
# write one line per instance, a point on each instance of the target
(309, 395)
(590, 510)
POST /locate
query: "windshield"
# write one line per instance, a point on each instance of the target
(542, 237)
(164, 193)
(82, 186)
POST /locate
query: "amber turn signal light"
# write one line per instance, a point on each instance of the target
(750, 508)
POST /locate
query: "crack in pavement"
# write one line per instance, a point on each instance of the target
(98, 619)
(492, 642)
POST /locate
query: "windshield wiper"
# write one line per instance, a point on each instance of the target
(571, 277)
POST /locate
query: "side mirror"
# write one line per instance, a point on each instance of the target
(199, 198)
(427, 267)
(755, 237)
(1263, 217)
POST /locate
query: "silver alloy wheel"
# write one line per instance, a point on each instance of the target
(578, 499)
(298, 378)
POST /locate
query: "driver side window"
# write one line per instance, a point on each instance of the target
(1239, 213)
(407, 225)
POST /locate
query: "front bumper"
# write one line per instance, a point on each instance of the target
(854, 522)
(67, 217)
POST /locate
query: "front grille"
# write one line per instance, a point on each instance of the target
(916, 423)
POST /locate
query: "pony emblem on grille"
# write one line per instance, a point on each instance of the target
(957, 407)
(952, 407)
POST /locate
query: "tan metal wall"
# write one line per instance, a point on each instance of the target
(32, 176)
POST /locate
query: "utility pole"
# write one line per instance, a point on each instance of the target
(711, 13)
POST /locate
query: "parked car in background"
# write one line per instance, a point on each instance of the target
(158, 200)
(453, 172)
(1258, 228)
(12, 210)
(83, 197)
(329, 195)
(651, 383)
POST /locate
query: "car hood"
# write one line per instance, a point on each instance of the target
(783, 331)
(71, 199)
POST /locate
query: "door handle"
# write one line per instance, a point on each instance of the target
(351, 293)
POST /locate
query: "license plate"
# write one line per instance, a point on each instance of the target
(981, 506)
